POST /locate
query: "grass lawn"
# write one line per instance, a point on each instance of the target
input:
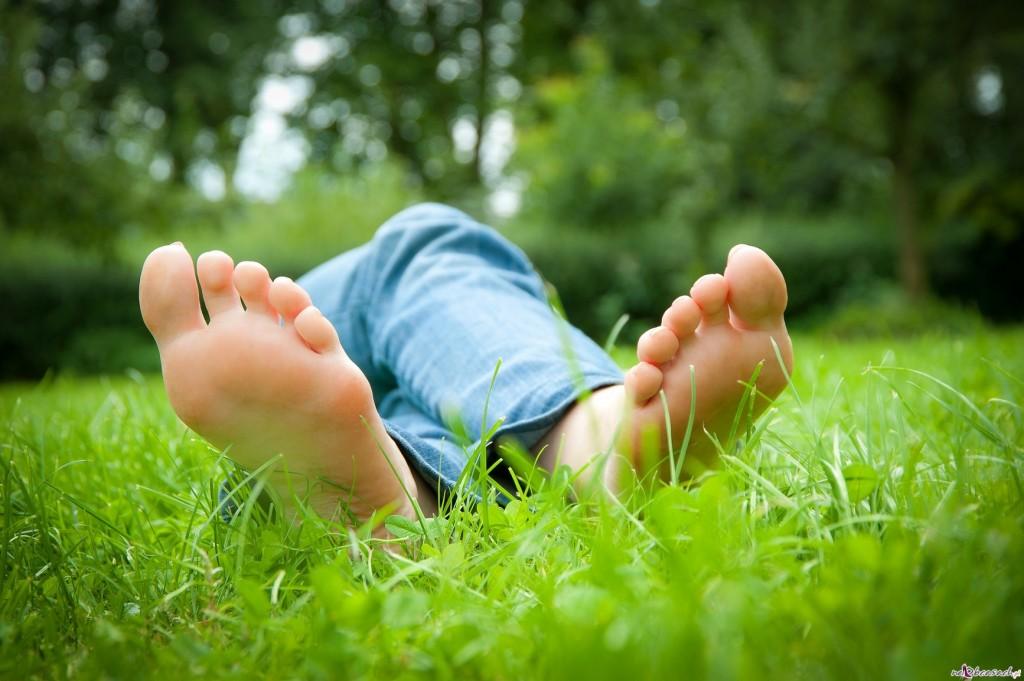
(873, 527)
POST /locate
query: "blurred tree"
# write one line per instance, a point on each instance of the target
(659, 66)
(902, 84)
(820, 99)
(50, 179)
(105, 95)
(617, 166)
(629, 111)
(416, 78)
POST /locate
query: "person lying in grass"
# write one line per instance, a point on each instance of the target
(424, 313)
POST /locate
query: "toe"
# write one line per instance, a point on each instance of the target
(734, 250)
(253, 283)
(643, 382)
(168, 295)
(288, 298)
(215, 276)
(757, 289)
(682, 317)
(657, 345)
(710, 293)
(317, 331)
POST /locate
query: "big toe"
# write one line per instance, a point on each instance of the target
(757, 289)
(168, 295)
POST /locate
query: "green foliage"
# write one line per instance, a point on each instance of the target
(96, 93)
(837, 268)
(875, 143)
(833, 107)
(617, 166)
(320, 216)
(869, 530)
(402, 76)
(633, 121)
(598, 280)
(887, 312)
(80, 312)
(827, 260)
(76, 316)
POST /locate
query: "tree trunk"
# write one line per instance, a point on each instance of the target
(912, 267)
(482, 100)
(903, 145)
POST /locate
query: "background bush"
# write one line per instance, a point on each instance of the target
(79, 317)
(81, 314)
(835, 266)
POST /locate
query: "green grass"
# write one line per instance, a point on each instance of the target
(873, 527)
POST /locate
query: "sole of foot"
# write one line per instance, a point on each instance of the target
(270, 381)
(724, 332)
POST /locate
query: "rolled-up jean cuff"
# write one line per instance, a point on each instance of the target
(442, 469)
(436, 466)
(527, 432)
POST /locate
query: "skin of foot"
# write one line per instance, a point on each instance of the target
(271, 381)
(724, 330)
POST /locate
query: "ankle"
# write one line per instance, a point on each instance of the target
(584, 439)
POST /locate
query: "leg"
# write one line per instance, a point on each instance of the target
(261, 388)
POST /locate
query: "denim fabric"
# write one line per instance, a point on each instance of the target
(426, 309)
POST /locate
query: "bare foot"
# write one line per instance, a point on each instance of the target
(724, 329)
(262, 389)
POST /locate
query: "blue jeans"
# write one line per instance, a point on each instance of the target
(426, 309)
